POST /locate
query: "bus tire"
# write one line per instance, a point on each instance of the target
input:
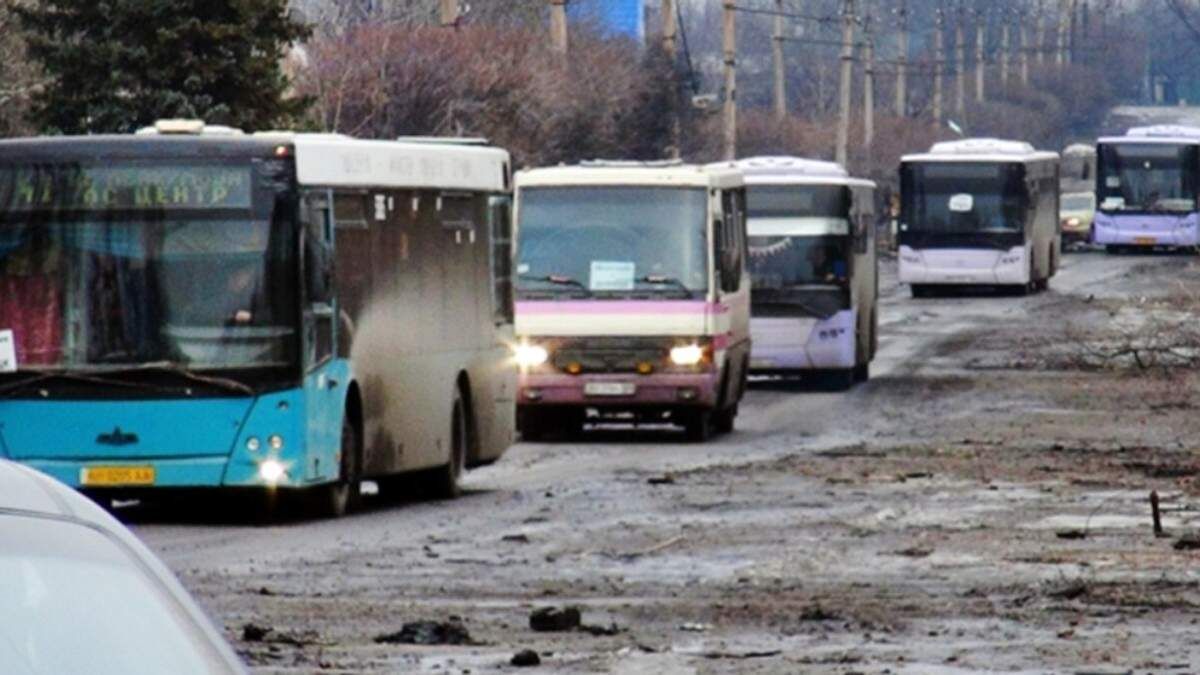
(698, 425)
(447, 479)
(345, 494)
(862, 372)
(839, 380)
(725, 420)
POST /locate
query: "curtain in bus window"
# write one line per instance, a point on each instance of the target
(31, 295)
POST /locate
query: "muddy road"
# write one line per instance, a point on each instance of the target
(980, 505)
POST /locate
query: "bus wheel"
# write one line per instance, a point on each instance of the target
(446, 484)
(839, 380)
(698, 425)
(862, 372)
(725, 420)
(343, 496)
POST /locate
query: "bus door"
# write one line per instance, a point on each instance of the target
(323, 380)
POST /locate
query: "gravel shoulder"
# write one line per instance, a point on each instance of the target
(976, 507)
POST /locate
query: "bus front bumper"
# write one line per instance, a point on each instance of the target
(699, 390)
(964, 266)
(785, 344)
(1147, 230)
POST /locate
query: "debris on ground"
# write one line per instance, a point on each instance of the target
(252, 632)
(818, 613)
(516, 538)
(428, 633)
(915, 552)
(600, 631)
(1070, 591)
(695, 627)
(554, 619)
(665, 479)
(1071, 534)
(526, 658)
(1188, 542)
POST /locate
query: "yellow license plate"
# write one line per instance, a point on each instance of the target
(109, 476)
(1145, 241)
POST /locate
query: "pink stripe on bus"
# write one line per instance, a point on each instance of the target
(644, 307)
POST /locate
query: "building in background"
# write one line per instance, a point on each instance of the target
(615, 17)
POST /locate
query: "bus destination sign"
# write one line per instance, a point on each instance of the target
(136, 188)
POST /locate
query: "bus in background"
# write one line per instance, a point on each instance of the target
(193, 307)
(979, 212)
(814, 268)
(633, 297)
(1146, 184)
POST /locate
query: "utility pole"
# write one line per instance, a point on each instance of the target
(730, 49)
(781, 107)
(939, 67)
(1064, 9)
(980, 72)
(1025, 55)
(1005, 46)
(670, 29)
(448, 9)
(558, 26)
(868, 87)
(902, 63)
(843, 129)
(1039, 33)
(960, 64)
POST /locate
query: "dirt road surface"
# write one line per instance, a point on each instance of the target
(978, 506)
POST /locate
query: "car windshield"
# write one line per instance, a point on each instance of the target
(107, 267)
(606, 241)
(964, 198)
(1148, 177)
(77, 601)
(1077, 203)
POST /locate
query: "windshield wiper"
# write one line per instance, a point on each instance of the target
(667, 281)
(176, 369)
(558, 280)
(46, 376)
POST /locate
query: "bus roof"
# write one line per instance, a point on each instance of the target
(1079, 150)
(337, 161)
(982, 150)
(633, 174)
(784, 170)
(1168, 134)
(322, 160)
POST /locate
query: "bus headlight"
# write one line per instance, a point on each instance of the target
(687, 355)
(531, 356)
(272, 471)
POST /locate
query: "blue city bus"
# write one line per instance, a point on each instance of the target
(193, 307)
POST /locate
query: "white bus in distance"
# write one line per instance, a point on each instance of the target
(815, 270)
(979, 211)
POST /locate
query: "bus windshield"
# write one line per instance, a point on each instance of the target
(605, 241)
(964, 198)
(108, 267)
(1148, 177)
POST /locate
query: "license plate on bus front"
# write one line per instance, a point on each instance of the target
(112, 476)
(1145, 241)
(610, 389)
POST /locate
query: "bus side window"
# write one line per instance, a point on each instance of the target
(319, 224)
(730, 239)
(500, 220)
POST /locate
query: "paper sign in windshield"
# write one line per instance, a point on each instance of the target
(8, 352)
(962, 203)
(612, 276)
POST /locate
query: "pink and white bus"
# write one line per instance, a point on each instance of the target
(633, 296)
